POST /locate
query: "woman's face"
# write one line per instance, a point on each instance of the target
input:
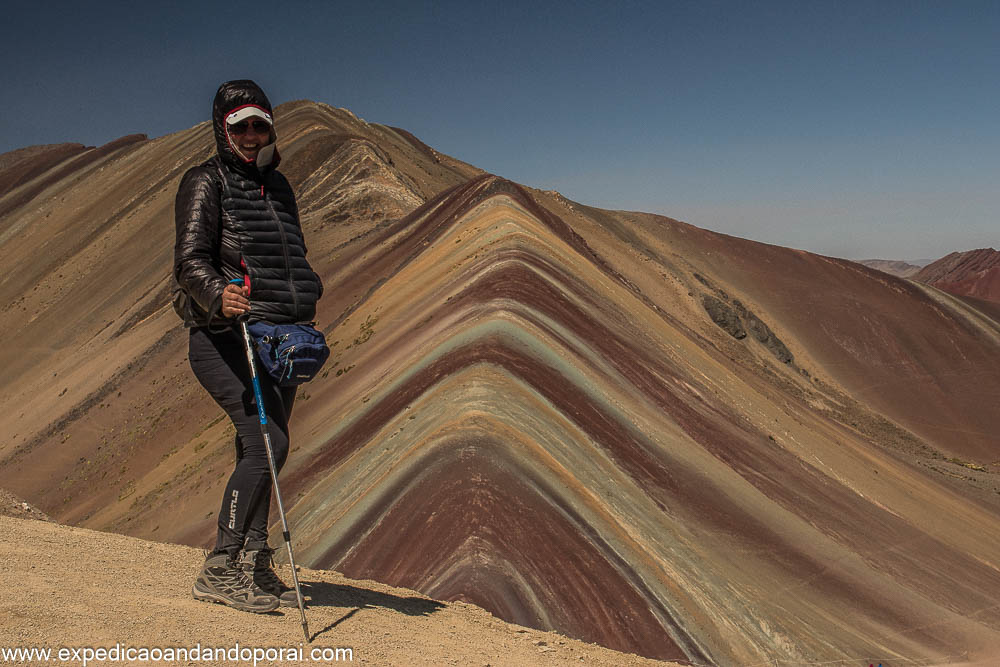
(250, 135)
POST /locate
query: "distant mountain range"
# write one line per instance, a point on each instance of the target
(616, 425)
(893, 267)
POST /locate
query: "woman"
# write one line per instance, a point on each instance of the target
(240, 253)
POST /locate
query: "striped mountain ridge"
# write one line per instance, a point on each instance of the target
(539, 407)
(974, 273)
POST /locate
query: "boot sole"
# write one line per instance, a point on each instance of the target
(207, 596)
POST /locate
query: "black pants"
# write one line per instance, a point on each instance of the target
(219, 362)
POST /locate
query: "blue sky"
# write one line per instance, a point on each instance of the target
(854, 129)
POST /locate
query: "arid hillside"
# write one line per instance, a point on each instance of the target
(975, 273)
(615, 425)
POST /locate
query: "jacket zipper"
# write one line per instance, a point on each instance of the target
(284, 249)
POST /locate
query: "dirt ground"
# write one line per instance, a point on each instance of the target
(74, 587)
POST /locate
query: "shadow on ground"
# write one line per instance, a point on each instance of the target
(324, 594)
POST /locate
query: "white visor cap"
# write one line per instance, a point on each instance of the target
(248, 111)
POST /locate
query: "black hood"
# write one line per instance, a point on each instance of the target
(230, 96)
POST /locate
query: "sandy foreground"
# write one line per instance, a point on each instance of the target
(74, 587)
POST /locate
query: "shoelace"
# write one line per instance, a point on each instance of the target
(244, 578)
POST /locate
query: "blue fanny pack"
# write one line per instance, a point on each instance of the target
(291, 353)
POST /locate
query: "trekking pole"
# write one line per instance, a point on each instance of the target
(262, 413)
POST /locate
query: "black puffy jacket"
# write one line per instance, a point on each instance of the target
(237, 218)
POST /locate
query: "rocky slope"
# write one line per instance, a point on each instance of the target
(11, 505)
(615, 425)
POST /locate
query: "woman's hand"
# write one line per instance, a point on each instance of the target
(234, 300)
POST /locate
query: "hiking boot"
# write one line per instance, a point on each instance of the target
(258, 565)
(223, 581)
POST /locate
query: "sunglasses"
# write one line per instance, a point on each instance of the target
(259, 126)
